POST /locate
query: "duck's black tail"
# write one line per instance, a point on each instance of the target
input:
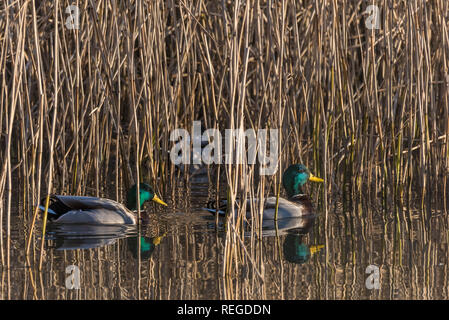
(211, 206)
(56, 207)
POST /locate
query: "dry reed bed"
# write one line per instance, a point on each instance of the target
(81, 109)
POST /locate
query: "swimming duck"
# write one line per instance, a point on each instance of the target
(296, 205)
(93, 210)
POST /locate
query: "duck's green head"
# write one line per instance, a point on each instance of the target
(295, 177)
(146, 193)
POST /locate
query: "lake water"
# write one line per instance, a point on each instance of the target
(178, 254)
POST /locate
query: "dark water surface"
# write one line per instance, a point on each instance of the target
(179, 254)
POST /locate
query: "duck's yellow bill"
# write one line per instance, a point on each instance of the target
(158, 200)
(315, 179)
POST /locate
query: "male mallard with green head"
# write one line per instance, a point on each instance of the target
(296, 205)
(93, 210)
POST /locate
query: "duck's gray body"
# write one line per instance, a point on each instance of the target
(280, 227)
(298, 206)
(88, 210)
(287, 209)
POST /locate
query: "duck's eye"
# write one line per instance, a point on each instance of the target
(301, 170)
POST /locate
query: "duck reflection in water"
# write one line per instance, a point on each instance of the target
(295, 229)
(82, 236)
(147, 246)
(75, 237)
(296, 251)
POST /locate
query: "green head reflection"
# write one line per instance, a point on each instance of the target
(147, 246)
(296, 251)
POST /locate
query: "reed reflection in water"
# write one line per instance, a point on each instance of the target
(181, 257)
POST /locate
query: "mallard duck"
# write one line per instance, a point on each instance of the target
(93, 210)
(296, 205)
